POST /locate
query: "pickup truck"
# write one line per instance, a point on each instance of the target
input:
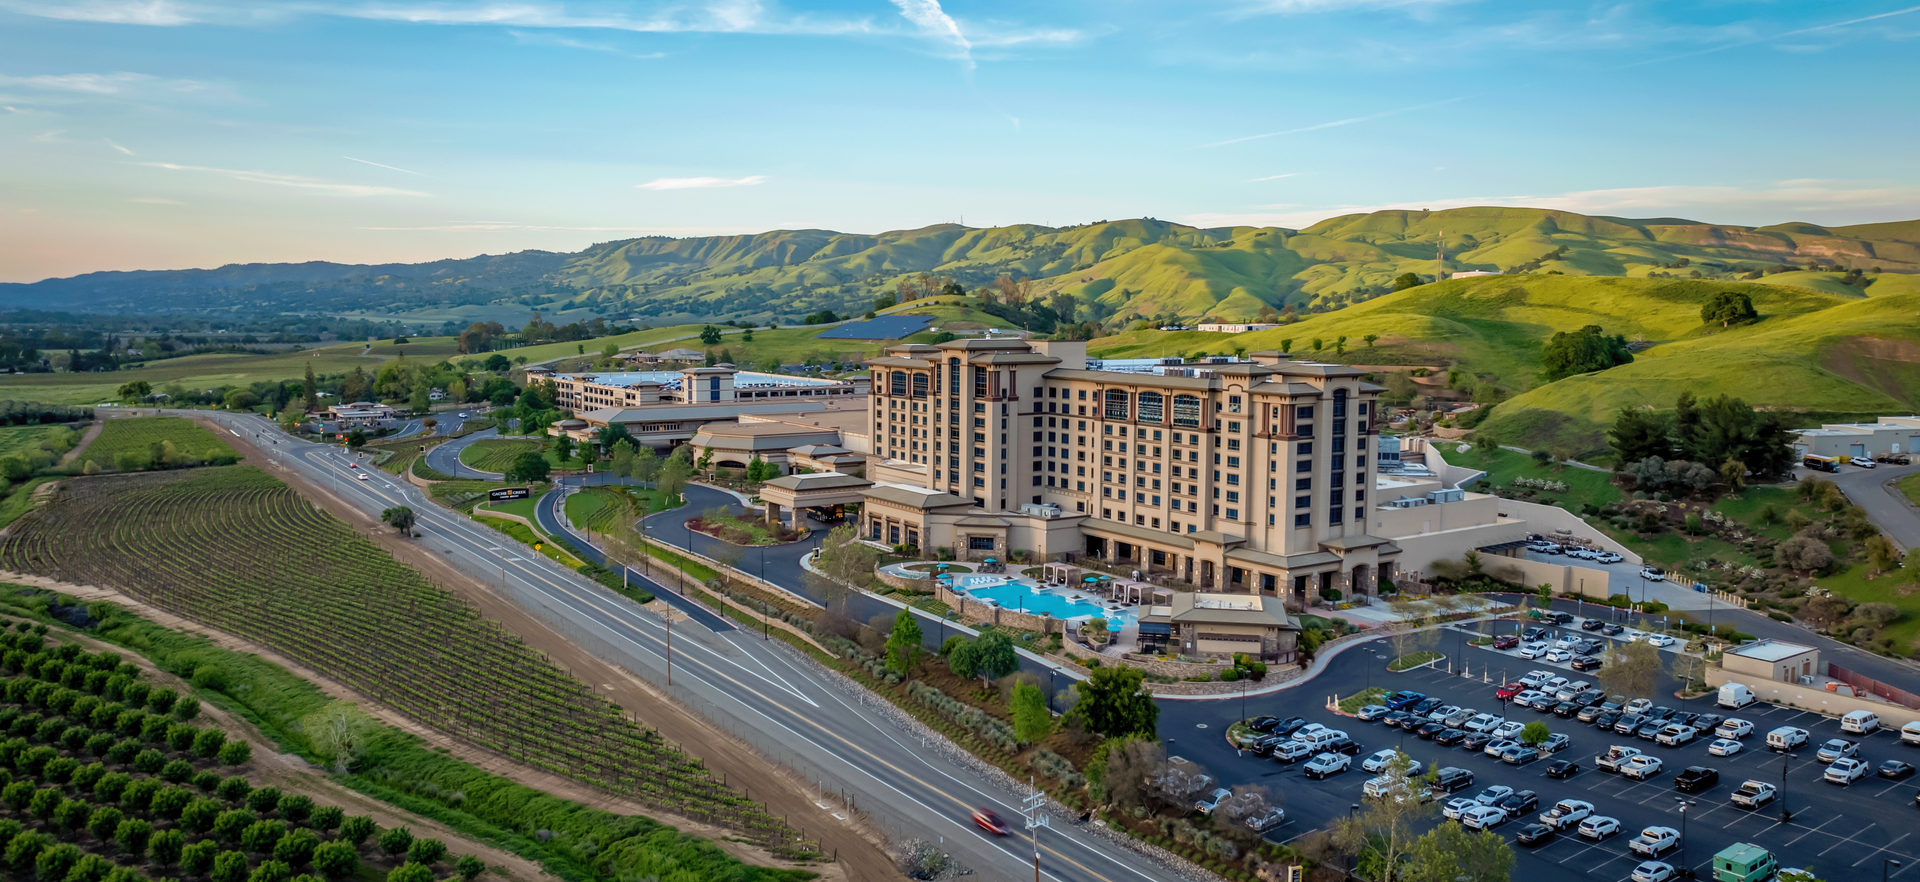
(1754, 794)
(1615, 757)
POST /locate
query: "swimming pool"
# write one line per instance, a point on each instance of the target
(1018, 596)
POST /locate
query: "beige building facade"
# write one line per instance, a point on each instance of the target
(1252, 479)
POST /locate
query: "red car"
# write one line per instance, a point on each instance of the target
(1506, 641)
(1510, 690)
(990, 822)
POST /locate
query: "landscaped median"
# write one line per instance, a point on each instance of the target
(1352, 704)
(1413, 660)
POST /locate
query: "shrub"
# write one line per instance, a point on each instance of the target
(234, 789)
(199, 815)
(229, 825)
(177, 772)
(207, 782)
(53, 862)
(229, 866)
(180, 736)
(123, 751)
(207, 742)
(149, 761)
(161, 700)
(260, 837)
(469, 867)
(336, 860)
(172, 802)
(271, 871)
(325, 817)
(410, 872)
(197, 859)
(104, 821)
(72, 814)
(133, 836)
(166, 846)
(296, 848)
(23, 850)
(357, 829)
(396, 841)
(186, 708)
(264, 800)
(235, 753)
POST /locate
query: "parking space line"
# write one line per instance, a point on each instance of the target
(1876, 852)
(1812, 830)
(1846, 840)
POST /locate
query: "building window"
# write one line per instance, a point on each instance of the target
(1304, 448)
(1186, 411)
(1151, 406)
(1339, 403)
(1233, 514)
(1303, 519)
(1303, 502)
(1116, 404)
(1304, 465)
(979, 543)
(1303, 484)
(1233, 496)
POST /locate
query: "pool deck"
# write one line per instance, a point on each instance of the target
(971, 583)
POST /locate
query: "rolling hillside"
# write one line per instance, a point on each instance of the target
(1811, 352)
(1117, 271)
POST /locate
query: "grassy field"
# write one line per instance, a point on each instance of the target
(208, 543)
(784, 346)
(496, 454)
(1900, 589)
(197, 371)
(135, 436)
(597, 509)
(1502, 466)
(24, 439)
(1910, 485)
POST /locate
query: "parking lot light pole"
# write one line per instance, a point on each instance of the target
(1785, 815)
(1686, 869)
(1885, 865)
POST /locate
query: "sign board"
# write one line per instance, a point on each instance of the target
(505, 493)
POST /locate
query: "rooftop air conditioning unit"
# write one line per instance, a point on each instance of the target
(1040, 509)
(1442, 496)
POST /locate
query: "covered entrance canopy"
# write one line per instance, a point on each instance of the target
(815, 490)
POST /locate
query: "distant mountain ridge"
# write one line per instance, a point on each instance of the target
(1116, 270)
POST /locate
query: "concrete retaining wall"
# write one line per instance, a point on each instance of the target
(1892, 716)
(975, 612)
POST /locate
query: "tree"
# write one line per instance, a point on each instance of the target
(1882, 556)
(1535, 733)
(903, 645)
(1804, 553)
(963, 659)
(356, 439)
(528, 466)
(1370, 338)
(229, 866)
(400, 518)
(1876, 614)
(1584, 351)
(1826, 610)
(396, 841)
(336, 860)
(1638, 435)
(1629, 669)
(710, 335)
(410, 872)
(339, 732)
(309, 387)
(1112, 703)
(1733, 473)
(1382, 832)
(1406, 280)
(1449, 853)
(426, 852)
(236, 752)
(1032, 721)
(197, 859)
(995, 655)
(1729, 308)
(133, 835)
(469, 867)
(165, 846)
(137, 390)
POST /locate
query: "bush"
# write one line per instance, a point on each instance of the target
(296, 808)
(234, 789)
(235, 753)
(166, 846)
(149, 761)
(426, 852)
(197, 859)
(186, 708)
(260, 837)
(357, 829)
(296, 848)
(264, 800)
(326, 817)
(336, 860)
(177, 772)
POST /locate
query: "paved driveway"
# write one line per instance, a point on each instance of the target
(1872, 490)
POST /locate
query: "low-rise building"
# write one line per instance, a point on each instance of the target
(1889, 436)
(358, 415)
(1221, 626)
(581, 392)
(1774, 660)
(734, 445)
(1235, 327)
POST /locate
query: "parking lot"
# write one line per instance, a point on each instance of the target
(1835, 830)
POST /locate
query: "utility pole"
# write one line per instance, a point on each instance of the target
(1030, 807)
(1440, 258)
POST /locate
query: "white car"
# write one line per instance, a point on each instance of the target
(1529, 697)
(1493, 794)
(1482, 723)
(1599, 827)
(1642, 767)
(362, 477)
(1327, 764)
(1733, 728)
(1456, 807)
(1482, 817)
(1533, 650)
(1567, 642)
(1559, 656)
(1837, 749)
(1377, 762)
(1267, 820)
(1660, 640)
(1305, 733)
(1846, 770)
(1211, 801)
(1654, 841)
(1442, 712)
(1533, 679)
(1723, 747)
(1372, 712)
(1652, 575)
(1653, 871)
(1863, 463)
(1553, 685)
(1639, 706)
(1566, 812)
(1510, 729)
(1675, 735)
(1609, 557)
(1496, 746)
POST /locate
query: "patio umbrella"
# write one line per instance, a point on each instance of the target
(991, 560)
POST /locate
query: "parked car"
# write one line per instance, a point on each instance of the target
(1520, 803)
(1519, 755)
(1706, 722)
(1289, 726)
(1452, 809)
(1378, 760)
(1639, 706)
(1482, 817)
(1675, 735)
(1566, 813)
(1327, 764)
(1642, 767)
(1558, 656)
(1267, 820)
(1498, 746)
(1507, 691)
(1753, 794)
(1458, 719)
(1652, 575)
(1653, 871)
(1629, 723)
(1723, 747)
(1450, 737)
(1599, 827)
(1655, 841)
(1585, 663)
(1428, 730)
(1613, 630)
(1493, 794)
(1535, 633)
(1694, 779)
(1372, 712)
(1592, 625)
(1660, 640)
(1615, 758)
(1206, 804)
(1395, 719)
(1591, 712)
(1562, 769)
(1441, 713)
(1263, 724)
(1837, 749)
(1649, 730)
(1424, 706)
(1452, 779)
(1483, 723)
(1404, 699)
(1895, 769)
(1846, 770)
(1533, 650)
(1534, 834)
(1508, 729)
(1556, 742)
(1505, 641)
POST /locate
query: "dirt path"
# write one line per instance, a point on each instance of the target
(859, 856)
(93, 432)
(287, 771)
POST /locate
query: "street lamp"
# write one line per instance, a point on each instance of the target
(1885, 864)
(1785, 815)
(1686, 869)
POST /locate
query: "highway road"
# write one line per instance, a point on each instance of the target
(760, 690)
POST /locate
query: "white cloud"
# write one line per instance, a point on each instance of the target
(120, 85)
(51, 136)
(138, 12)
(1295, 7)
(936, 24)
(701, 183)
(1271, 178)
(1778, 202)
(1341, 122)
(285, 180)
(117, 147)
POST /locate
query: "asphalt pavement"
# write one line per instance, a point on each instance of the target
(1886, 507)
(445, 458)
(759, 690)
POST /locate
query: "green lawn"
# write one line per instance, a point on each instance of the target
(496, 454)
(1901, 589)
(785, 346)
(1910, 485)
(25, 439)
(597, 509)
(195, 371)
(1584, 486)
(525, 508)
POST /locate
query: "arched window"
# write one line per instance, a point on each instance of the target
(1186, 411)
(919, 385)
(1151, 406)
(1116, 404)
(897, 383)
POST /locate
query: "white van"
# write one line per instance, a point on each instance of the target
(1910, 733)
(1787, 738)
(1736, 695)
(1860, 722)
(1320, 738)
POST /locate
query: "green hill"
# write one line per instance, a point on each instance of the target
(1810, 352)
(1117, 271)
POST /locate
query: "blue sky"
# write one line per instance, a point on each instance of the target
(149, 134)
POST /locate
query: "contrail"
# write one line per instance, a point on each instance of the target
(389, 167)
